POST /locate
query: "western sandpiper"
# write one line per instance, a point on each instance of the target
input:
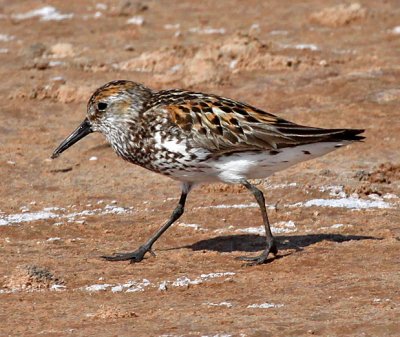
(197, 138)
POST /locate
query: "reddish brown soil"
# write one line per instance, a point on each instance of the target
(337, 273)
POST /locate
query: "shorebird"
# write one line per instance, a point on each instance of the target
(195, 138)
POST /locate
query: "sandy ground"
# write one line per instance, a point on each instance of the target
(323, 63)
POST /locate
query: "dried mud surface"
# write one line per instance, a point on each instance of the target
(336, 218)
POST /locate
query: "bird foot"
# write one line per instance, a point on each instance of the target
(259, 259)
(133, 257)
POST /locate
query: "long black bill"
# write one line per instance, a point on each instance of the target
(83, 130)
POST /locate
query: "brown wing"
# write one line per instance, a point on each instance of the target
(224, 125)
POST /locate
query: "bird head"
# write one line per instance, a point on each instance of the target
(111, 105)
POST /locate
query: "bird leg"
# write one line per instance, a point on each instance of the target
(270, 241)
(138, 254)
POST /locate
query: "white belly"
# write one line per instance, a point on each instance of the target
(233, 168)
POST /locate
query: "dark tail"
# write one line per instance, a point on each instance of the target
(347, 134)
(307, 134)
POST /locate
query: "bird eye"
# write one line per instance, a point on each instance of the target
(102, 106)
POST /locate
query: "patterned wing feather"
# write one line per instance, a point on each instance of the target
(224, 125)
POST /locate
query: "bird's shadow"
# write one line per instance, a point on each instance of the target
(254, 243)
